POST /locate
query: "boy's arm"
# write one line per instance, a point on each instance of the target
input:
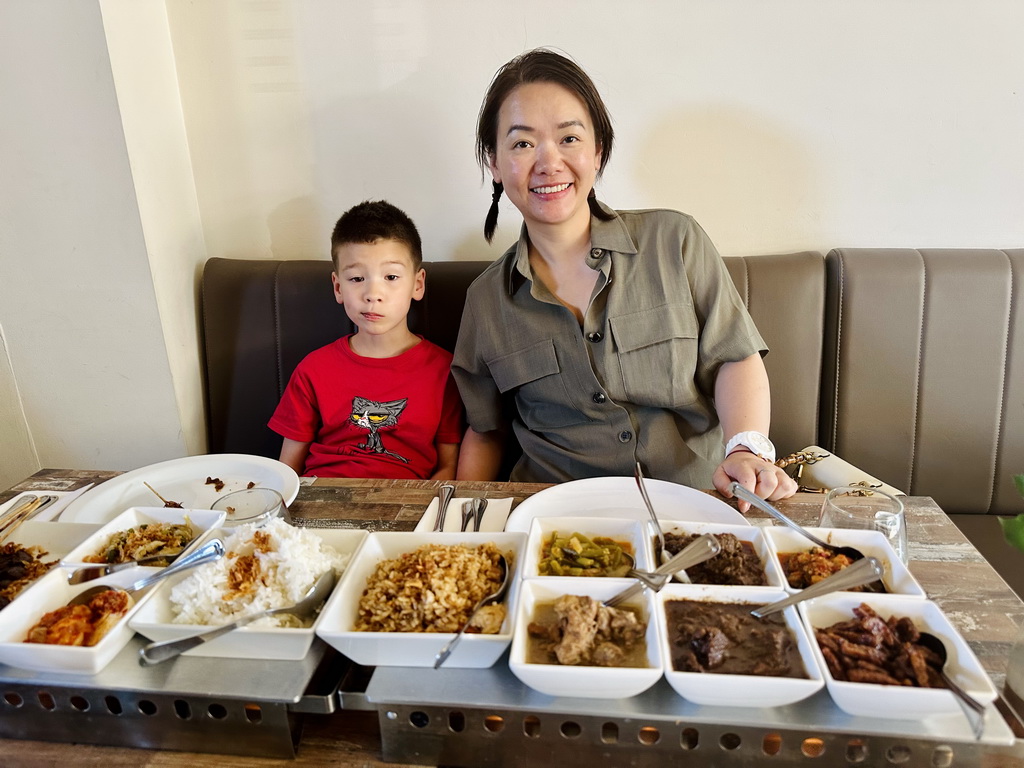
(480, 457)
(294, 453)
(447, 461)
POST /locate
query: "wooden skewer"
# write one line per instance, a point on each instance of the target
(165, 501)
(155, 492)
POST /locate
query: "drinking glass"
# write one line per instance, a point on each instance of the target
(856, 506)
(250, 505)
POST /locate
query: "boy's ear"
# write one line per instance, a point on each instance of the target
(419, 284)
(336, 284)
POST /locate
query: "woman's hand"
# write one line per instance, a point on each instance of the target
(755, 474)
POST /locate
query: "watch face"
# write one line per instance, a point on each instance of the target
(761, 443)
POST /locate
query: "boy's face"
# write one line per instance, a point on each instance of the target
(376, 283)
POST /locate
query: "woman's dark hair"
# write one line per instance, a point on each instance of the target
(539, 66)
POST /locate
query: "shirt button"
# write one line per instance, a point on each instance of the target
(599, 397)
(625, 436)
(595, 253)
(595, 337)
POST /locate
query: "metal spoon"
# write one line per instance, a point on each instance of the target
(661, 555)
(467, 514)
(738, 490)
(628, 570)
(860, 573)
(154, 653)
(702, 548)
(210, 551)
(91, 572)
(446, 651)
(973, 709)
(444, 496)
(479, 505)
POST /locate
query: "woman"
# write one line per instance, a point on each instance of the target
(604, 337)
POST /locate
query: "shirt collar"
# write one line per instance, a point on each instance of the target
(604, 235)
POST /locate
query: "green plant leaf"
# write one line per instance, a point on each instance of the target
(1013, 530)
(1018, 480)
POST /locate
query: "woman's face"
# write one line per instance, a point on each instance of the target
(546, 154)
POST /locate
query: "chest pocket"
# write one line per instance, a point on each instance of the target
(658, 355)
(536, 379)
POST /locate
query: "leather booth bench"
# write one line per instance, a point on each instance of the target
(906, 363)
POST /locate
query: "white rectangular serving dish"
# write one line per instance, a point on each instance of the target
(583, 681)
(620, 529)
(202, 522)
(896, 577)
(413, 649)
(748, 533)
(898, 701)
(729, 690)
(155, 620)
(47, 594)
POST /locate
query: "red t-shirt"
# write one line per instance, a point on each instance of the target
(369, 416)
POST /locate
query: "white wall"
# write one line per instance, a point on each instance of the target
(77, 302)
(781, 125)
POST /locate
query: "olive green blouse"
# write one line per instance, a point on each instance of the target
(636, 382)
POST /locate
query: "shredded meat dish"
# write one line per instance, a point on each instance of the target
(19, 567)
(584, 632)
(736, 563)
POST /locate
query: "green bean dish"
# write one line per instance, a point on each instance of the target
(580, 555)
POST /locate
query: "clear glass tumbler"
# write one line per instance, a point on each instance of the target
(250, 505)
(855, 506)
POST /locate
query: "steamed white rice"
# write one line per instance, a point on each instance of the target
(294, 560)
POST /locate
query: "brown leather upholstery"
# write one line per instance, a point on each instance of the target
(261, 317)
(925, 381)
(785, 295)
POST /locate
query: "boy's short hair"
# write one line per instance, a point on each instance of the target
(374, 220)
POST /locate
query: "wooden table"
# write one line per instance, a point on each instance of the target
(952, 571)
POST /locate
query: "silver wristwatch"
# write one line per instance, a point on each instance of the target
(755, 442)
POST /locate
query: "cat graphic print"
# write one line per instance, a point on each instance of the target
(374, 416)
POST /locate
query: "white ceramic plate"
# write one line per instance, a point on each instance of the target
(898, 701)
(739, 690)
(202, 521)
(182, 480)
(619, 497)
(154, 619)
(413, 649)
(583, 681)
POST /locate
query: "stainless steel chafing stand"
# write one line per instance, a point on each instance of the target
(223, 706)
(486, 717)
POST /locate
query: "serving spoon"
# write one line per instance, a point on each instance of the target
(738, 490)
(91, 572)
(704, 547)
(210, 551)
(661, 555)
(446, 651)
(444, 497)
(860, 573)
(155, 653)
(973, 709)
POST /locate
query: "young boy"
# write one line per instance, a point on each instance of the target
(380, 402)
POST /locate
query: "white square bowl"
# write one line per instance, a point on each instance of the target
(202, 522)
(47, 594)
(898, 701)
(729, 690)
(155, 620)
(748, 533)
(633, 532)
(895, 576)
(414, 649)
(583, 681)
